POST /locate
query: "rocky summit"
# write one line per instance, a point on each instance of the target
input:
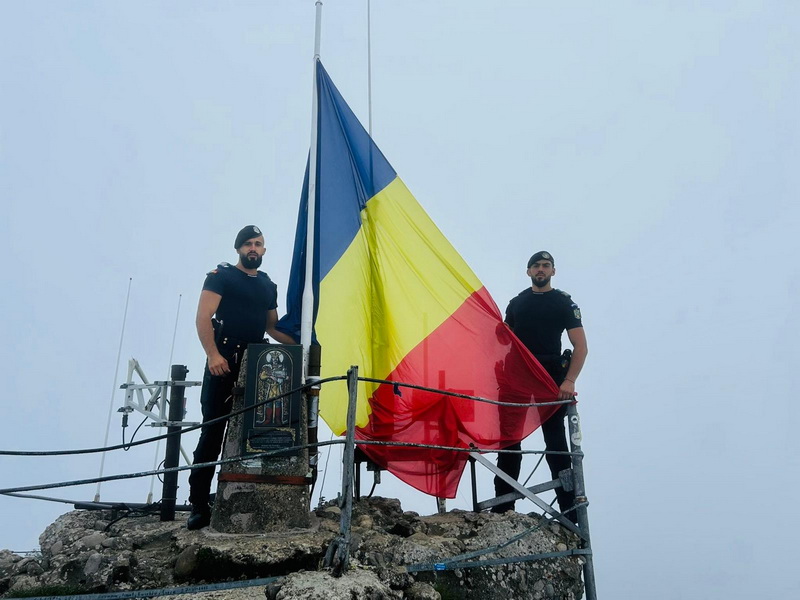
(392, 556)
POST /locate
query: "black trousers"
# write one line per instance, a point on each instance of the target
(215, 401)
(555, 439)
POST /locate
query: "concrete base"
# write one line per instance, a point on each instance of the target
(260, 507)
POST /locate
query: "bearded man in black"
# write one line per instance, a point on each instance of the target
(237, 306)
(538, 316)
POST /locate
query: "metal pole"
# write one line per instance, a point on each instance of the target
(177, 403)
(369, 68)
(114, 388)
(348, 464)
(474, 485)
(575, 440)
(312, 359)
(338, 555)
(307, 315)
(312, 399)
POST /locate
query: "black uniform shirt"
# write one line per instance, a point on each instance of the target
(539, 318)
(246, 301)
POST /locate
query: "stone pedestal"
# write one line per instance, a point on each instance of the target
(262, 494)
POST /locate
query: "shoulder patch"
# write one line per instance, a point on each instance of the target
(222, 265)
(576, 311)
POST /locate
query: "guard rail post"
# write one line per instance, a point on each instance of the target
(338, 555)
(575, 441)
(177, 405)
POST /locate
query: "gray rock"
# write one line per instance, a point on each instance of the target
(271, 591)
(22, 583)
(34, 569)
(147, 553)
(94, 540)
(364, 521)
(355, 584)
(93, 564)
(186, 563)
(21, 566)
(396, 578)
(422, 591)
(330, 512)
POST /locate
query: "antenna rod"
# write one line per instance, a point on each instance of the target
(175, 331)
(169, 367)
(114, 388)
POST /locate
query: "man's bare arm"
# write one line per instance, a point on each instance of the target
(278, 336)
(209, 302)
(580, 349)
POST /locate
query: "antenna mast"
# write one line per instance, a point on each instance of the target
(114, 388)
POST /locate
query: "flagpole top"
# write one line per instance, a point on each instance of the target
(318, 29)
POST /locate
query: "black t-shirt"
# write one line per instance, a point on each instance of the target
(246, 301)
(539, 318)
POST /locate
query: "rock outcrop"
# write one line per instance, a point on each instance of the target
(87, 551)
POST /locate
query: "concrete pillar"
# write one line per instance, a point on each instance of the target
(258, 495)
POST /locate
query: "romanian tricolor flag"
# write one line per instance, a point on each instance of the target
(394, 297)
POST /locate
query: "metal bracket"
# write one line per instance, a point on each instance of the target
(526, 493)
(567, 482)
(135, 398)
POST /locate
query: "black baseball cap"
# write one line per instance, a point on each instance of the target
(247, 233)
(541, 255)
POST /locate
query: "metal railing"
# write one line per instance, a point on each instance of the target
(338, 554)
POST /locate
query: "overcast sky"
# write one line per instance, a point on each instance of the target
(652, 147)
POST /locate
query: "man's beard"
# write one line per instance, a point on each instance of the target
(540, 282)
(248, 262)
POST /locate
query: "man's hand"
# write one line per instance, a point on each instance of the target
(567, 390)
(217, 365)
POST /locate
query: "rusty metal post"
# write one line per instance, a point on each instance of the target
(338, 555)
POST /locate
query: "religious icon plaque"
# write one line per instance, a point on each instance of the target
(272, 372)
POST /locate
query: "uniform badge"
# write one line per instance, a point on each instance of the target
(256, 230)
(577, 312)
(546, 256)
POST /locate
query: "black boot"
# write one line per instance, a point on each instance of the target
(200, 517)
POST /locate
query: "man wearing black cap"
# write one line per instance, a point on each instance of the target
(538, 316)
(237, 305)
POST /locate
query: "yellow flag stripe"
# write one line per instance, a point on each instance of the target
(396, 283)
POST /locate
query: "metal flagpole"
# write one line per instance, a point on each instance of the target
(369, 68)
(307, 318)
(311, 361)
